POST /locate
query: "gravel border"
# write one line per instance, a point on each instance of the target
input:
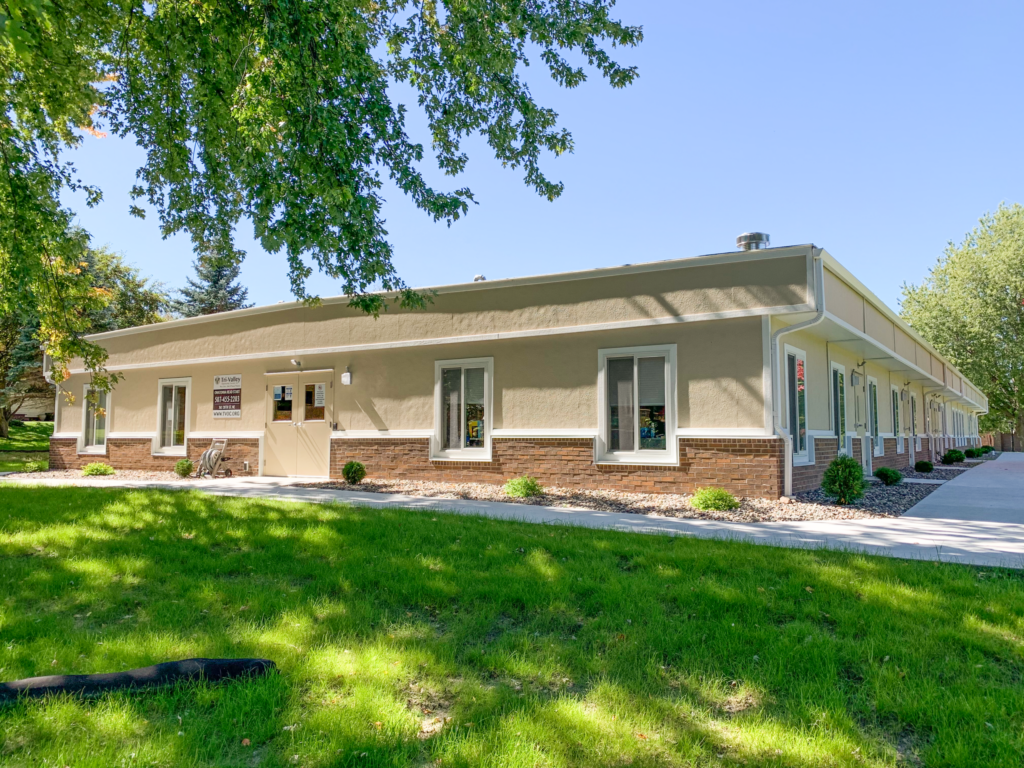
(878, 501)
(119, 474)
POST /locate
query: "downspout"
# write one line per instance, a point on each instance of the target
(819, 303)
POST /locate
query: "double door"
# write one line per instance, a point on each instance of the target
(300, 413)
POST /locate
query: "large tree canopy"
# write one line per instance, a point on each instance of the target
(971, 307)
(278, 112)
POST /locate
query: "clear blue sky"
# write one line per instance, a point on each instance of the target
(878, 130)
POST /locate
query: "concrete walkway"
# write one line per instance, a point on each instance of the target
(992, 493)
(974, 538)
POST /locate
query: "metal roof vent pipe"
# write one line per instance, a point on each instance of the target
(753, 241)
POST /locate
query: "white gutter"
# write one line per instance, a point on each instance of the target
(819, 303)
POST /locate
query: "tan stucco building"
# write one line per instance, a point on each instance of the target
(748, 370)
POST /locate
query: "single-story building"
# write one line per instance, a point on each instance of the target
(749, 370)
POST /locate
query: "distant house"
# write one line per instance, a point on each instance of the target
(749, 370)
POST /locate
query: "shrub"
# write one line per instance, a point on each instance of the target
(97, 468)
(16, 423)
(353, 472)
(888, 476)
(717, 499)
(972, 453)
(184, 468)
(843, 480)
(523, 487)
(924, 466)
(987, 449)
(952, 456)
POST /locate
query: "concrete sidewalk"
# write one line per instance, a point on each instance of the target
(992, 492)
(916, 537)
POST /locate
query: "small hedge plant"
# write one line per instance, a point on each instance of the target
(924, 466)
(888, 476)
(987, 449)
(523, 487)
(972, 453)
(713, 499)
(843, 480)
(953, 456)
(97, 468)
(184, 467)
(353, 472)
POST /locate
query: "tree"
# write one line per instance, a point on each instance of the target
(111, 294)
(282, 113)
(971, 308)
(215, 290)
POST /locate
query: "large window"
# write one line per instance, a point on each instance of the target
(637, 402)
(839, 404)
(174, 407)
(95, 416)
(876, 437)
(796, 399)
(463, 409)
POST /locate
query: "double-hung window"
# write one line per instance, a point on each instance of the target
(897, 426)
(462, 409)
(839, 405)
(95, 415)
(796, 400)
(637, 405)
(173, 410)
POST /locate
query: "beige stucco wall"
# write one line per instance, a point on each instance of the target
(681, 290)
(817, 376)
(539, 382)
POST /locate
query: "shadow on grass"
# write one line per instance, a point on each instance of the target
(407, 638)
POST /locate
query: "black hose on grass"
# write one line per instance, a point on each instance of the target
(166, 673)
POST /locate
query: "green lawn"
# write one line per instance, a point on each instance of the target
(28, 436)
(23, 462)
(545, 646)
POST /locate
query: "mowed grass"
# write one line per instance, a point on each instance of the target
(410, 638)
(33, 461)
(27, 436)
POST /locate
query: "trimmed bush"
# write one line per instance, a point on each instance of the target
(953, 456)
(353, 472)
(888, 476)
(972, 453)
(713, 499)
(16, 423)
(184, 467)
(924, 466)
(97, 468)
(987, 449)
(843, 480)
(523, 487)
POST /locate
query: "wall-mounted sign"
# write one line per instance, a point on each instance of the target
(319, 395)
(227, 396)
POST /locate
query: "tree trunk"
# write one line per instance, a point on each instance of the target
(5, 417)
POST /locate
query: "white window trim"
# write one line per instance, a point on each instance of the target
(841, 440)
(637, 457)
(464, 454)
(806, 456)
(897, 428)
(176, 450)
(99, 450)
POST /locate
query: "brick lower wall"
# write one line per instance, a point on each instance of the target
(891, 458)
(807, 477)
(137, 453)
(744, 466)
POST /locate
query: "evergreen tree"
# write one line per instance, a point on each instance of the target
(215, 288)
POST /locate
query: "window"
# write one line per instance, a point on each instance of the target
(462, 409)
(315, 402)
(281, 409)
(94, 421)
(913, 415)
(876, 437)
(636, 387)
(173, 410)
(896, 411)
(796, 399)
(839, 405)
